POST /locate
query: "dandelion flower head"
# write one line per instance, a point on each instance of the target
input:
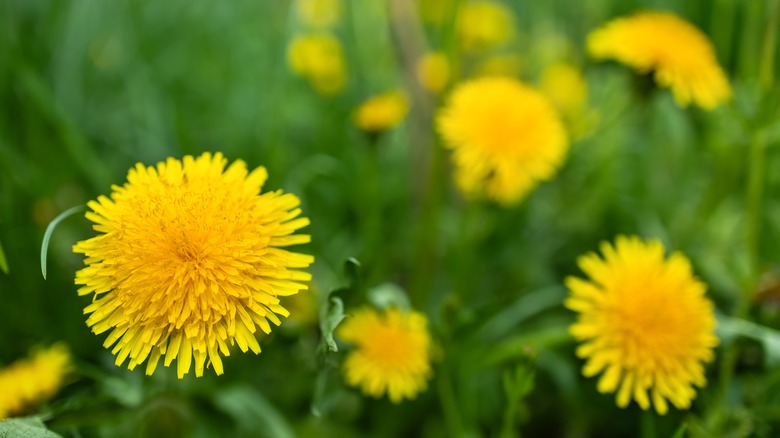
(680, 54)
(644, 323)
(27, 382)
(382, 112)
(391, 355)
(190, 260)
(564, 84)
(319, 13)
(319, 59)
(433, 71)
(506, 138)
(484, 24)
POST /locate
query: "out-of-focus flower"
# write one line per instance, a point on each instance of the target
(382, 112)
(564, 84)
(566, 88)
(392, 352)
(319, 59)
(433, 71)
(189, 259)
(484, 24)
(644, 322)
(319, 13)
(680, 54)
(27, 382)
(506, 138)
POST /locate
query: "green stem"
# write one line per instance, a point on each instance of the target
(648, 425)
(449, 404)
(768, 48)
(754, 195)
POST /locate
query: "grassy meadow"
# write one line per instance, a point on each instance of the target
(90, 88)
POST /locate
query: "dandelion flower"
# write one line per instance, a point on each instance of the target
(484, 24)
(319, 13)
(433, 71)
(189, 260)
(319, 59)
(680, 54)
(382, 112)
(564, 84)
(644, 323)
(505, 136)
(30, 381)
(391, 355)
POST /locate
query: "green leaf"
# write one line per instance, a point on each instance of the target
(50, 229)
(3, 261)
(28, 427)
(352, 272)
(680, 433)
(729, 327)
(252, 412)
(389, 295)
(331, 315)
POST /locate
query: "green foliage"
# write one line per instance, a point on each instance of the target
(89, 89)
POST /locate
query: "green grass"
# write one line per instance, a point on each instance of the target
(90, 88)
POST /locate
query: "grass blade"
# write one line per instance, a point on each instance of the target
(3, 261)
(50, 229)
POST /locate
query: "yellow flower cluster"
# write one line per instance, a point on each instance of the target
(484, 24)
(27, 382)
(319, 59)
(189, 260)
(391, 355)
(644, 322)
(506, 138)
(680, 54)
(382, 112)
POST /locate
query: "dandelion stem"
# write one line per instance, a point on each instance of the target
(449, 403)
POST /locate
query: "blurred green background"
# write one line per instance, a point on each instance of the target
(89, 88)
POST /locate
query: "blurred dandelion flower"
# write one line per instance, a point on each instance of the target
(320, 60)
(484, 24)
(392, 353)
(644, 322)
(382, 112)
(189, 260)
(505, 136)
(564, 84)
(319, 13)
(27, 382)
(433, 71)
(681, 55)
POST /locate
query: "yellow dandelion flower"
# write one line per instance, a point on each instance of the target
(382, 112)
(433, 71)
(320, 60)
(644, 322)
(27, 382)
(189, 261)
(319, 13)
(484, 24)
(564, 84)
(681, 55)
(505, 136)
(391, 355)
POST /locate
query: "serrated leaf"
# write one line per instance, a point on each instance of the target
(389, 295)
(28, 427)
(331, 315)
(3, 261)
(50, 229)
